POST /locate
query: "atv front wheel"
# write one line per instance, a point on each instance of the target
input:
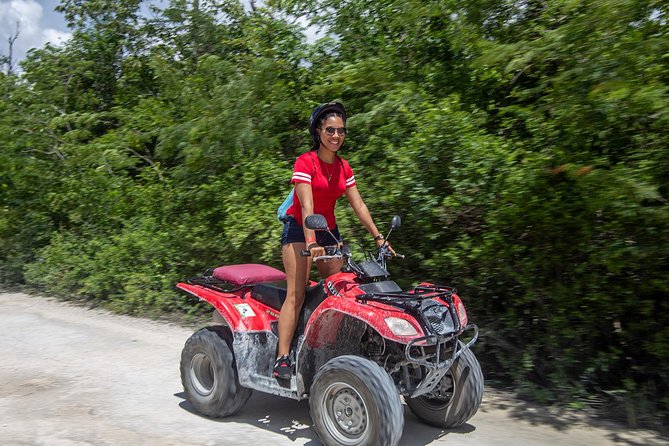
(459, 395)
(209, 373)
(354, 402)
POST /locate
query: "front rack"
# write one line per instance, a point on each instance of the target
(418, 293)
(410, 301)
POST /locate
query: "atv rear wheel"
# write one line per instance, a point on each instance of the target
(460, 394)
(354, 402)
(209, 373)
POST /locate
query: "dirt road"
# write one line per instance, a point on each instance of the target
(71, 376)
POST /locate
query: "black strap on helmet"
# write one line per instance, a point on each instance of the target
(322, 110)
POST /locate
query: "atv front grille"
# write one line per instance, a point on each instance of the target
(438, 316)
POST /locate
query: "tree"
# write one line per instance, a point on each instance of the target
(8, 60)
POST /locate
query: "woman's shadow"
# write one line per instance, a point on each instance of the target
(291, 418)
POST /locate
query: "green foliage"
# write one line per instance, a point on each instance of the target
(523, 143)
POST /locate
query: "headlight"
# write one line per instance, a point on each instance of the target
(462, 313)
(400, 327)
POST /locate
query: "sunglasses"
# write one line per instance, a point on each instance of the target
(341, 131)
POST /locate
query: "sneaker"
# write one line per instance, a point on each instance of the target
(283, 368)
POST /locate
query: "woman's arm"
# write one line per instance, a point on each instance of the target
(360, 209)
(303, 191)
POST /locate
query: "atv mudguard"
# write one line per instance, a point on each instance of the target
(325, 322)
(239, 313)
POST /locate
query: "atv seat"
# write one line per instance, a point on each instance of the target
(271, 295)
(248, 274)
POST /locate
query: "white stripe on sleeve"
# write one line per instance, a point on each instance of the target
(350, 181)
(302, 176)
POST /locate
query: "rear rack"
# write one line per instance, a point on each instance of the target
(213, 283)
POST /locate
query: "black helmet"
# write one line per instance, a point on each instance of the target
(322, 110)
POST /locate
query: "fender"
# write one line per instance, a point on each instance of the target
(325, 321)
(324, 324)
(240, 313)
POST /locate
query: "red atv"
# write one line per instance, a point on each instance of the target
(361, 342)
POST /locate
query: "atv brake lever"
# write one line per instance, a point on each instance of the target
(336, 256)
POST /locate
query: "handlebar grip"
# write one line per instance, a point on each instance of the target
(305, 253)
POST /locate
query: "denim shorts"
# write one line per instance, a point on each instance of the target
(294, 233)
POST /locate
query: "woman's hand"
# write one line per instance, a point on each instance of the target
(381, 241)
(316, 250)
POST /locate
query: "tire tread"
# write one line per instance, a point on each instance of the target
(386, 400)
(229, 395)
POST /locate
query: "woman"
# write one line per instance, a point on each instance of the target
(320, 177)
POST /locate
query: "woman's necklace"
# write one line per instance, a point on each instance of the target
(329, 172)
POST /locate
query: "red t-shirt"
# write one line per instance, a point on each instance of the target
(328, 182)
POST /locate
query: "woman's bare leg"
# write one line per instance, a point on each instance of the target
(329, 267)
(296, 268)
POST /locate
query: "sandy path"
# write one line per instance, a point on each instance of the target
(73, 376)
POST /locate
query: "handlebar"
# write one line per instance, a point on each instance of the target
(334, 250)
(318, 223)
(339, 255)
(384, 251)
